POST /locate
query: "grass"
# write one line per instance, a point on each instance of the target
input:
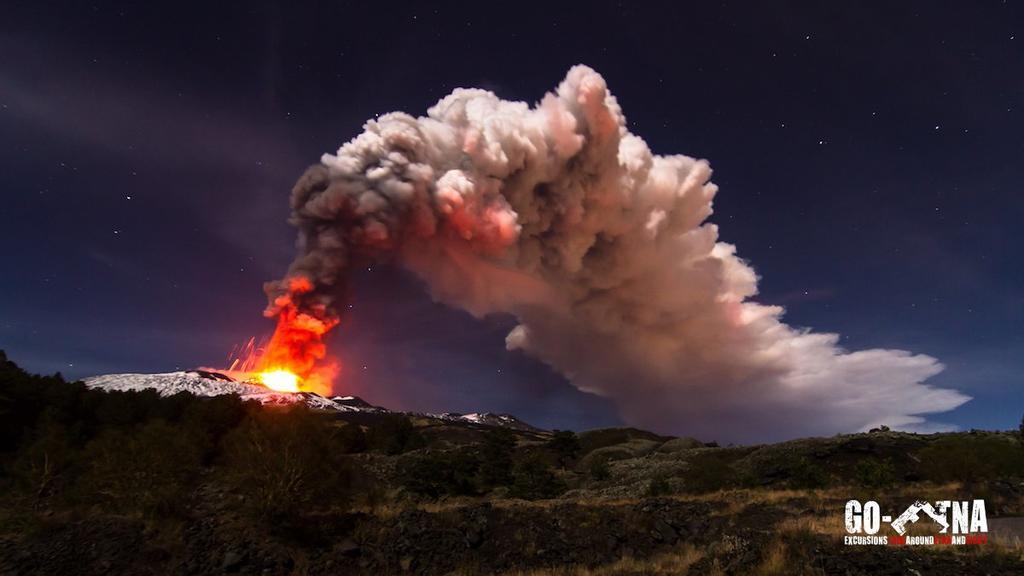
(774, 562)
(675, 562)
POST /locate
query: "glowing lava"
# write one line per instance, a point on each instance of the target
(279, 380)
(295, 359)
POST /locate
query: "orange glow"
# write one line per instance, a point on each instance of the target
(295, 359)
(279, 380)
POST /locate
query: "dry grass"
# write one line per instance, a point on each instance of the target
(774, 562)
(675, 563)
(827, 502)
(820, 525)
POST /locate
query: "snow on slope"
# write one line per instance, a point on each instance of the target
(487, 419)
(209, 383)
(203, 383)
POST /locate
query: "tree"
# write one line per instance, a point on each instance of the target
(533, 479)
(394, 434)
(496, 458)
(285, 461)
(152, 468)
(565, 446)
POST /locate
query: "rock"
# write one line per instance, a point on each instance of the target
(474, 537)
(233, 560)
(347, 547)
(665, 532)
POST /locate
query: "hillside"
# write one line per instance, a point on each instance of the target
(213, 383)
(104, 481)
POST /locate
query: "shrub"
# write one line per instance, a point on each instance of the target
(533, 479)
(216, 416)
(709, 472)
(807, 474)
(658, 486)
(874, 473)
(442, 473)
(394, 434)
(283, 461)
(151, 468)
(496, 458)
(599, 470)
(352, 439)
(564, 445)
(41, 464)
(970, 459)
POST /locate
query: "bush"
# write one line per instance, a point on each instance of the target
(152, 468)
(533, 479)
(41, 465)
(214, 417)
(709, 472)
(658, 486)
(806, 474)
(352, 439)
(496, 458)
(874, 473)
(394, 434)
(284, 461)
(599, 470)
(970, 459)
(442, 473)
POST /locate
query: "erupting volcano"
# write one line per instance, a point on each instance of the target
(295, 359)
(557, 215)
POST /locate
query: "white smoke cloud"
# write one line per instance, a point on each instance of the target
(560, 216)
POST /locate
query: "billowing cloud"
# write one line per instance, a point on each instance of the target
(603, 251)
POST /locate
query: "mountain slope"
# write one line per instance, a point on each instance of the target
(211, 383)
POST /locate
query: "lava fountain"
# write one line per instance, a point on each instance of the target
(295, 358)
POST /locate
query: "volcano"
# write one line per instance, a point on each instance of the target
(213, 383)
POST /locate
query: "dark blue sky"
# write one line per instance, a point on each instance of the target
(869, 159)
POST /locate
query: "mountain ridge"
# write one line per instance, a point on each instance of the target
(204, 382)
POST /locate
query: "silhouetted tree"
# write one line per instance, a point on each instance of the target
(496, 458)
(564, 445)
(394, 434)
(443, 473)
(283, 461)
(533, 479)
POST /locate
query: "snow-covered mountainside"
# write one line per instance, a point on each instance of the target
(487, 419)
(210, 383)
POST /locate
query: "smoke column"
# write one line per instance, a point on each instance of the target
(558, 215)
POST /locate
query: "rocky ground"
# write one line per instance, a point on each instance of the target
(599, 526)
(713, 535)
(134, 482)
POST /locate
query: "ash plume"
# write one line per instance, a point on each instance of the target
(560, 216)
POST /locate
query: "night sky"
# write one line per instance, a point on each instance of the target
(869, 159)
